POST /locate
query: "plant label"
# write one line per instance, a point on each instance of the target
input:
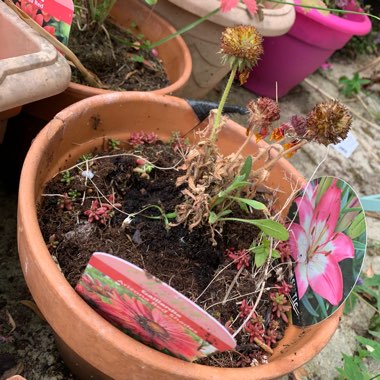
(150, 310)
(347, 146)
(55, 16)
(327, 239)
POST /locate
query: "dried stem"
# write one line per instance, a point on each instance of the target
(232, 285)
(282, 154)
(78, 166)
(249, 316)
(323, 92)
(369, 65)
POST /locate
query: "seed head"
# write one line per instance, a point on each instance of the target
(268, 108)
(299, 125)
(328, 122)
(263, 112)
(241, 45)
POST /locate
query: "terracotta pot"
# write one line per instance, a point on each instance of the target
(91, 346)
(175, 57)
(204, 40)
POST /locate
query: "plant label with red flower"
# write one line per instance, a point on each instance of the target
(327, 239)
(55, 16)
(150, 310)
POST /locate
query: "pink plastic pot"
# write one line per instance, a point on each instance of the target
(290, 58)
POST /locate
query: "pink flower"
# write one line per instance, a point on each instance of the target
(153, 327)
(227, 5)
(317, 248)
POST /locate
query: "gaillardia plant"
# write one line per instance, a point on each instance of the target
(202, 219)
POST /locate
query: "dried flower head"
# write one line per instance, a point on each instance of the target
(241, 45)
(328, 122)
(262, 112)
(298, 123)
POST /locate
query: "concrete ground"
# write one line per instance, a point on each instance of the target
(30, 348)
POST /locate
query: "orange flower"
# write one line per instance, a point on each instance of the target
(263, 132)
(289, 145)
(277, 134)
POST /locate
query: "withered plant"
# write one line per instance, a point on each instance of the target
(218, 189)
(215, 183)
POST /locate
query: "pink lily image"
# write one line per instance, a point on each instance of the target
(227, 5)
(316, 245)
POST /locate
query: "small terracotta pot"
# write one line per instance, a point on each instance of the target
(90, 346)
(175, 56)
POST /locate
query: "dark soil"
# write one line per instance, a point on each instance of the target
(185, 260)
(119, 65)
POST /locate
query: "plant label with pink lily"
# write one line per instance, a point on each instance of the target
(150, 310)
(327, 238)
(55, 16)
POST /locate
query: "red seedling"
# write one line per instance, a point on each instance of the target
(241, 257)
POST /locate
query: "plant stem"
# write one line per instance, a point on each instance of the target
(232, 284)
(242, 146)
(222, 103)
(183, 30)
(356, 294)
(325, 9)
(106, 12)
(282, 154)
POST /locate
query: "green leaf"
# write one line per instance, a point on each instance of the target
(375, 333)
(237, 183)
(261, 254)
(305, 301)
(212, 218)
(357, 226)
(373, 347)
(359, 246)
(321, 304)
(352, 86)
(344, 211)
(268, 226)
(246, 168)
(171, 215)
(137, 58)
(352, 369)
(323, 186)
(151, 2)
(250, 202)
(374, 323)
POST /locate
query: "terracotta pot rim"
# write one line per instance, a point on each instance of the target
(65, 293)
